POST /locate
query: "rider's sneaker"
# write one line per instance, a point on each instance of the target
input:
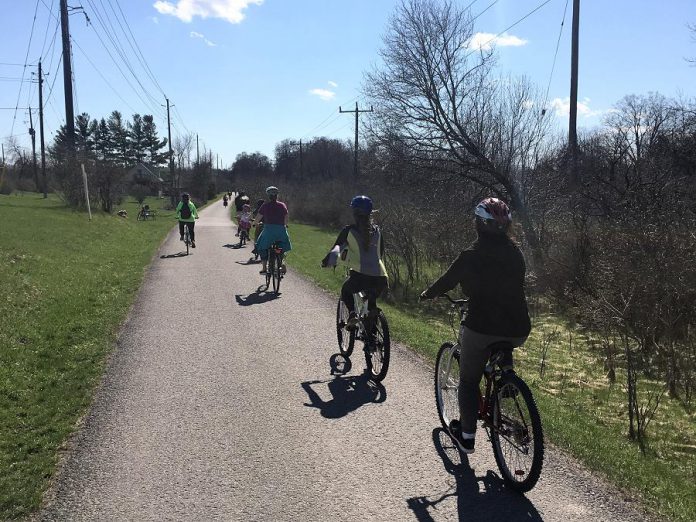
(283, 269)
(263, 272)
(465, 441)
(193, 244)
(352, 322)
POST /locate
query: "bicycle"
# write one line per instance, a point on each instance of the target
(372, 329)
(274, 271)
(145, 213)
(243, 237)
(506, 408)
(187, 238)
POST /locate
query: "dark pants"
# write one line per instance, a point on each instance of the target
(373, 286)
(475, 351)
(190, 227)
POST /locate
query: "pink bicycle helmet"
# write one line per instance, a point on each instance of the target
(494, 213)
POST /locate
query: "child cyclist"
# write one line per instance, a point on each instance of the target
(363, 248)
(491, 272)
(187, 215)
(244, 220)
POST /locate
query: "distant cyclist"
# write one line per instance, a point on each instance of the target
(187, 215)
(491, 273)
(275, 227)
(363, 248)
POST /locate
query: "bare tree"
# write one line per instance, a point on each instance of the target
(437, 93)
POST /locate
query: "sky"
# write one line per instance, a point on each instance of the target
(246, 74)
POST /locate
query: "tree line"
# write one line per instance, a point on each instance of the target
(614, 249)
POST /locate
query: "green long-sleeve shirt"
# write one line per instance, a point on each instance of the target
(192, 207)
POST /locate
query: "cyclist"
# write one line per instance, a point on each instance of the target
(491, 273)
(244, 220)
(224, 200)
(362, 248)
(187, 215)
(275, 227)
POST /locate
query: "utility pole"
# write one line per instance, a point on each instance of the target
(573, 123)
(198, 152)
(41, 134)
(67, 76)
(172, 197)
(357, 113)
(32, 133)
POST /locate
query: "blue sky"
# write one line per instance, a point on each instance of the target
(245, 74)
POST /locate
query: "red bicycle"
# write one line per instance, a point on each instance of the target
(506, 408)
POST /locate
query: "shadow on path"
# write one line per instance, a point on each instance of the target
(255, 298)
(479, 498)
(251, 261)
(348, 393)
(172, 256)
(233, 246)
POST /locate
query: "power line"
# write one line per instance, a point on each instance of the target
(119, 50)
(555, 55)
(486, 9)
(530, 13)
(26, 59)
(48, 26)
(144, 63)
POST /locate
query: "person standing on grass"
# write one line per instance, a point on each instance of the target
(187, 215)
(275, 227)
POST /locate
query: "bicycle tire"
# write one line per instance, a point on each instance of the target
(447, 378)
(269, 268)
(346, 338)
(187, 239)
(140, 216)
(511, 381)
(382, 352)
(276, 275)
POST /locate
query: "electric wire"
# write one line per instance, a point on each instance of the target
(555, 55)
(26, 59)
(530, 13)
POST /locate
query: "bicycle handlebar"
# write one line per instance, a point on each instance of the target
(458, 302)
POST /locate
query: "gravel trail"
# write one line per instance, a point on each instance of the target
(218, 404)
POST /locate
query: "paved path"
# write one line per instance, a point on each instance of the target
(218, 405)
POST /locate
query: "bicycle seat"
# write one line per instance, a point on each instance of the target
(501, 354)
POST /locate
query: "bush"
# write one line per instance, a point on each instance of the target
(139, 192)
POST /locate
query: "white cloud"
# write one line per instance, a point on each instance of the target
(194, 34)
(486, 41)
(324, 94)
(561, 107)
(187, 10)
(332, 84)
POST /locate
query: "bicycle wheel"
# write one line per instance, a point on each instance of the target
(269, 267)
(187, 239)
(377, 349)
(346, 339)
(276, 275)
(140, 216)
(447, 383)
(517, 436)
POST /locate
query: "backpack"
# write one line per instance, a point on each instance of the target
(185, 211)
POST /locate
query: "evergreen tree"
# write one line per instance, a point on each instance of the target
(153, 144)
(137, 139)
(119, 138)
(103, 142)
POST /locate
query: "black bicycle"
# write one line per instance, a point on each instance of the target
(243, 237)
(274, 268)
(372, 329)
(187, 238)
(506, 407)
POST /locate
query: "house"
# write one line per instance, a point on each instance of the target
(147, 175)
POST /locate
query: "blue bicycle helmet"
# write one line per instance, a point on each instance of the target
(362, 204)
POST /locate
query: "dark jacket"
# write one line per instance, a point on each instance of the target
(491, 273)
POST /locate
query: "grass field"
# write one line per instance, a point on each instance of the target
(582, 413)
(67, 284)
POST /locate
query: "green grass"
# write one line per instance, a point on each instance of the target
(581, 412)
(67, 286)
